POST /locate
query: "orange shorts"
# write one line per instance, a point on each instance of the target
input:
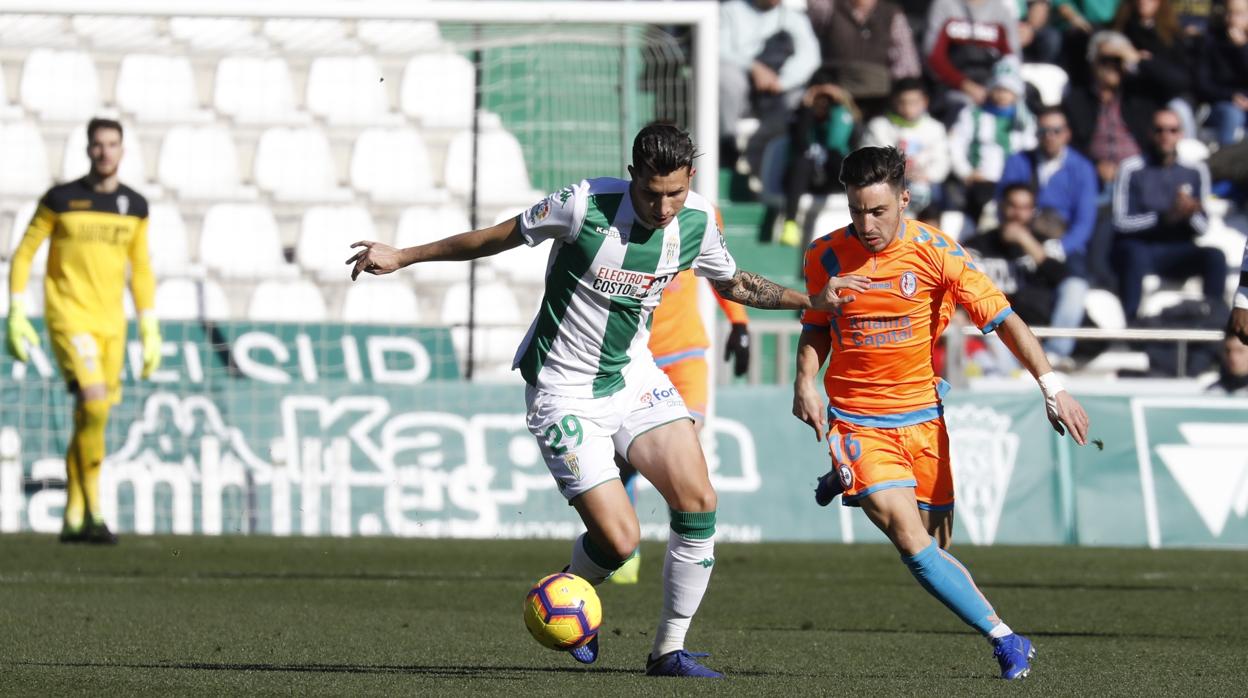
(689, 375)
(870, 459)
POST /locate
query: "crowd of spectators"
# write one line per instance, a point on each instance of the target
(1058, 196)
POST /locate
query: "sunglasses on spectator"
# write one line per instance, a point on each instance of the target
(1051, 130)
(1166, 129)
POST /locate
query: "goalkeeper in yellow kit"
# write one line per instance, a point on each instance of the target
(97, 226)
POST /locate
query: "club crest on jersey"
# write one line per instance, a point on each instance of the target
(574, 465)
(123, 204)
(847, 476)
(909, 284)
(538, 213)
(671, 250)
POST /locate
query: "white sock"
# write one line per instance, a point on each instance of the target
(583, 565)
(686, 574)
(999, 631)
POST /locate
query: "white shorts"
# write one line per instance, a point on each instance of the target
(579, 437)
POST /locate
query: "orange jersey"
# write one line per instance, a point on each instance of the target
(880, 367)
(677, 325)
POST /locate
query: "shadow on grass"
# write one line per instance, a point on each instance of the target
(488, 672)
(966, 633)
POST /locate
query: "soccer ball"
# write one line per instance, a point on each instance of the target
(562, 611)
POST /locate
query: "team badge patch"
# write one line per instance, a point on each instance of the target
(909, 284)
(573, 464)
(538, 213)
(847, 476)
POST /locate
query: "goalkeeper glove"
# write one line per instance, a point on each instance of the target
(149, 332)
(737, 348)
(21, 332)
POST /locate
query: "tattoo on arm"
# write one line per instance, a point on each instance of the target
(751, 289)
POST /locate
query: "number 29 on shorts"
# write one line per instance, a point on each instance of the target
(560, 434)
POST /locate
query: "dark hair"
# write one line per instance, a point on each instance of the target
(906, 85)
(1017, 187)
(662, 148)
(1050, 111)
(1165, 23)
(98, 123)
(874, 164)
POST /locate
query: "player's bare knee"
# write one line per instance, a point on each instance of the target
(701, 500)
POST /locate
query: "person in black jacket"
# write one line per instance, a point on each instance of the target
(1164, 65)
(1222, 71)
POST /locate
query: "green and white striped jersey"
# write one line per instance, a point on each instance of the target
(604, 277)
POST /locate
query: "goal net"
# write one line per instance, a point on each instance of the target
(266, 138)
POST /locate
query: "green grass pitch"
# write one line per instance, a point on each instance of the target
(254, 615)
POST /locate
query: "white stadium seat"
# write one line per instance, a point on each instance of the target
(167, 241)
(503, 178)
(495, 303)
(437, 90)
(325, 238)
(295, 164)
(60, 85)
(119, 33)
(158, 88)
(225, 34)
(380, 300)
(36, 31)
(348, 90)
(241, 240)
(1049, 80)
(25, 170)
(191, 299)
(21, 221)
(293, 300)
(311, 36)
(392, 166)
(200, 162)
(420, 224)
(398, 36)
(132, 171)
(525, 264)
(256, 90)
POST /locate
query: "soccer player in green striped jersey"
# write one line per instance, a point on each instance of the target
(593, 389)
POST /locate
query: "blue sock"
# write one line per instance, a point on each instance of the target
(946, 579)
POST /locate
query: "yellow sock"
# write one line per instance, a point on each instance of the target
(74, 502)
(91, 418)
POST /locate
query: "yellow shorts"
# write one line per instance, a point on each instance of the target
(690, 375)
(87, 359)
(870, 459)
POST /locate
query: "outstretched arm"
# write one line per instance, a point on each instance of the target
(757, 291)
(378, 258)
(1063, 410)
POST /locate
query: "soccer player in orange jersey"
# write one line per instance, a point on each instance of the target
(883, 419)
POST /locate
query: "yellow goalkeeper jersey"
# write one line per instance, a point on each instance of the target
(93, 236)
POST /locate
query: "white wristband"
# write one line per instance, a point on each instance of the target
(1050, 385)
(1241, 298)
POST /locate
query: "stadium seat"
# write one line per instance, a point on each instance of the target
(1192, 151)
(392, 166)
(420, 224)
(133, 169)
(1104, 309)
(256, 90)
(311, 36)
(503, 178)
(21, 221)
(437, 90)
(36, 31)
(296, 164)
(241, 240)
(325, 238)
(159, 88)
(496, 304)
(25, 170)
(1049, 80)
(292, 300)
(45, 76)
(223, 34)
(119, 33)
(380, 300)
(200, 162)
(167, 241)
(523, 264)
(191, 299)
(398, 36)
(348, 90)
